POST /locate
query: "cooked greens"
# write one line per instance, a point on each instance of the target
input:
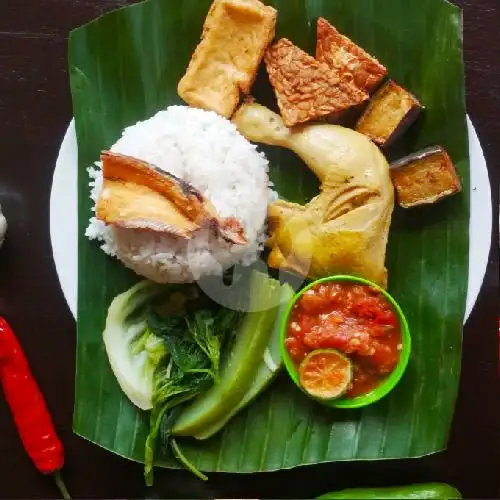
(133, 351)
(173, 386)
(245, 372)
(210, 333)
(173, 346)
(270, 365)
(192, 344)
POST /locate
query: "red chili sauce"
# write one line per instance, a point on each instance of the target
(355, 319)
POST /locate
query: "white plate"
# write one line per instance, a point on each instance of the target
(64, 220)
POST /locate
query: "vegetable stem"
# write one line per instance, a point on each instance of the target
(156, 417)
(184, 461)
(60, 484)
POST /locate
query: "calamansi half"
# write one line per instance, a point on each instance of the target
(325, 374)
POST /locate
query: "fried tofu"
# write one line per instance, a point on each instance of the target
(351, 61)
(305, 88)
(137, 195)
(390, 113)
(425, 177)
(235, 36)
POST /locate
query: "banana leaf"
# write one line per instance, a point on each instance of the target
(124, 67)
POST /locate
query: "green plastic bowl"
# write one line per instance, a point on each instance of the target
(391, 380)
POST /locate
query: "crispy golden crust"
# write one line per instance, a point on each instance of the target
(425, 178)
(225, 63)
(390, 112)
(185, 197)
(305, 88)
(351, 61)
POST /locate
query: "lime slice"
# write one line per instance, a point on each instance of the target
(325, 374)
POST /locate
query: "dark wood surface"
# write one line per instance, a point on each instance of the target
(35, 109)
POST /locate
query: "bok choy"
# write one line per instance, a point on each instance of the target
(133, 350)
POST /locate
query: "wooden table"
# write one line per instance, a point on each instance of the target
(35, 109)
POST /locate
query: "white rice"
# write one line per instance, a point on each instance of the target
(207, 151)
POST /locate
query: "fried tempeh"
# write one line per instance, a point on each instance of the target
(425, 177)
(137, 195)
(225, 63)
(351, 61)
(307, 89)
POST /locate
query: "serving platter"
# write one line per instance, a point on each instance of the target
(436, 267)
(64, 218)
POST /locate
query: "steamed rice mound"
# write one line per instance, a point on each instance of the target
(207, 151)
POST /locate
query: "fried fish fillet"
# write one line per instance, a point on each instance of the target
(225, 63)
(348, 59)
(305, 88)
(132, 206)
(137, 195)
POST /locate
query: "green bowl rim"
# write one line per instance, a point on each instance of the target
(388, 384)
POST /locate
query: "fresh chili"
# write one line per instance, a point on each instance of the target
(28, 408)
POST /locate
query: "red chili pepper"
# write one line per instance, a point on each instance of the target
(28, 408)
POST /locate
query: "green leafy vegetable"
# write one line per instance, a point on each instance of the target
(182, 357)
(210, 333)
(195, 338)
(193, 343)
(173, 387)
(184, 351)
(158, 360)
(242, 363)
(269, 366)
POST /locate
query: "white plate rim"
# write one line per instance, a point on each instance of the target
(64, 218)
